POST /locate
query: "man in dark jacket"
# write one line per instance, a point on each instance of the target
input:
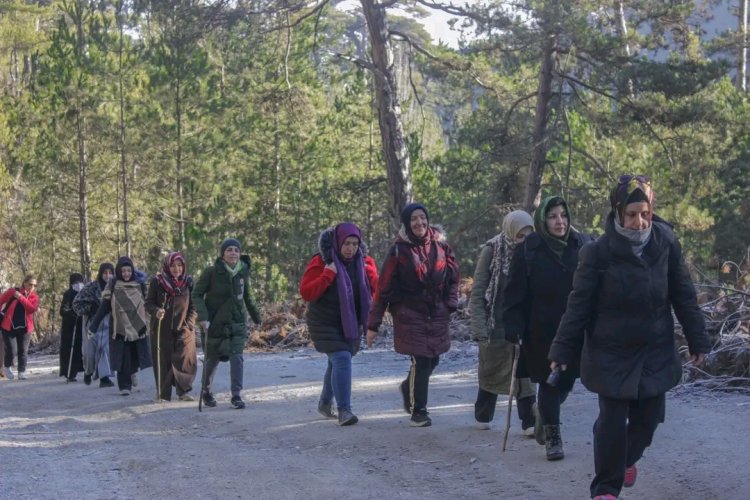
(620, 310)
(223, 301)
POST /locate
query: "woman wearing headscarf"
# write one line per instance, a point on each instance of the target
(18, 305)
(124, 298)
(96, 343)
(620, 309)
(338, 284)
(486, 302)
(173, 316)
(539, 281)
(70, 331)
(419, 286)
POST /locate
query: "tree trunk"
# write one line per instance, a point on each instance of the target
(622, 28)
(543, 98)
(178, 168)
(395, 151)
(83, 200)
(741, 83)
(123, 165)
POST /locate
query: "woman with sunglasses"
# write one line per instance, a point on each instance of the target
(539, 281)
(18, 306)
(620, 310)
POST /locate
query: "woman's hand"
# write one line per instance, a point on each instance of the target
(371, 334)
(160, 314)
(697, 359)
(553, 365)
(332, 267)
(17, 295)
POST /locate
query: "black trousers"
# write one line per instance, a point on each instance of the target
(484, 408)
(418, 380)
(622, 432)
(550, 398)
(16, 346)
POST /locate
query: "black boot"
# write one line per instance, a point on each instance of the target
(553, 442)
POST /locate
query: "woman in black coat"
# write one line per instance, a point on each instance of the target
(539, 281)
(620, 310)
(71, 331)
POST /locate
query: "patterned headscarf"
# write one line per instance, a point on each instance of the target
(630, 189)
(173, 286)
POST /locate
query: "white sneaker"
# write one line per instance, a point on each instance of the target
(21, 375)
(529, 432)
(9, 373)
(134, 379)
(124, 392)
(483, 426)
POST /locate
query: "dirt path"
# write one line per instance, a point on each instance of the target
(62, 440)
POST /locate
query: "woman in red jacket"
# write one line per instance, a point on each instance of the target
(18, 306)
(338, 285)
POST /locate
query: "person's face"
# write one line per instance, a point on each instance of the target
(636, 216)
(126, 272)
(107, 275)
(350, 247)
(522, 234)
(557, 221)
(231, 255)
(418, 223)
(176, 269)
(29, 286)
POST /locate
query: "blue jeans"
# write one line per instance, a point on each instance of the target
(337, 382)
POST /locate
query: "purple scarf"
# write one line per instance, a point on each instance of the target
(349, 320)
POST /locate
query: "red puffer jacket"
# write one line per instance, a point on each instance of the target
(8, 304)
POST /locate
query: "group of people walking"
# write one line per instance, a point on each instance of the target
(549, 301)
(562, 304)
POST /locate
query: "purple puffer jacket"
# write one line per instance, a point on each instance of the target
(421, 308)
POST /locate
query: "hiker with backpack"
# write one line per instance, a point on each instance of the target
(170, 305)
(486, 302)
(124, 300)
(620, 310)
(223, 301)
(18, 306)
(337, 285)
(539, 281)
(418, 284)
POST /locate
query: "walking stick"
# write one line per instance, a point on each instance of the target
(72, 348)
(511, 392)
(158, 360)
(204, 344)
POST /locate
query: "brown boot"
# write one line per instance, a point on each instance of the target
(553, 442)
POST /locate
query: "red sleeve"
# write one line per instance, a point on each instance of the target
(383, 291)
(371, 269)
(316, 279)
(5, 297)
(455, 278)
(30, 303)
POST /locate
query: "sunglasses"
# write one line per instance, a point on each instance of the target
(627, 178)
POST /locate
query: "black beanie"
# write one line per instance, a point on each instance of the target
(229, 242)
(75, 278)
(406, 213)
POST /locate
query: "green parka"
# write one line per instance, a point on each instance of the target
(225, 303)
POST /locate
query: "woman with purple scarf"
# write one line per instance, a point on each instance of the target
(338, 284)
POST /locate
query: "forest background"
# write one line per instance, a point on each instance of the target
(135, 126)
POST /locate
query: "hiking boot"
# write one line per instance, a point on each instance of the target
(605, 497)
(186, 397)
(631, 473)
(208, 399)
(105, 382)
(237, 403)
(405, 396)
(553, 442)
(21, 375)
(483, 426)
(538, 428)
(87, 379)
(9, 373)
(346, 417)
(420, 420)
(326, 410)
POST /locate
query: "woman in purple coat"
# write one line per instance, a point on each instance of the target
(418, 285)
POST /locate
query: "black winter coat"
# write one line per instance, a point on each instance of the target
(535, 299)
(626, 302)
